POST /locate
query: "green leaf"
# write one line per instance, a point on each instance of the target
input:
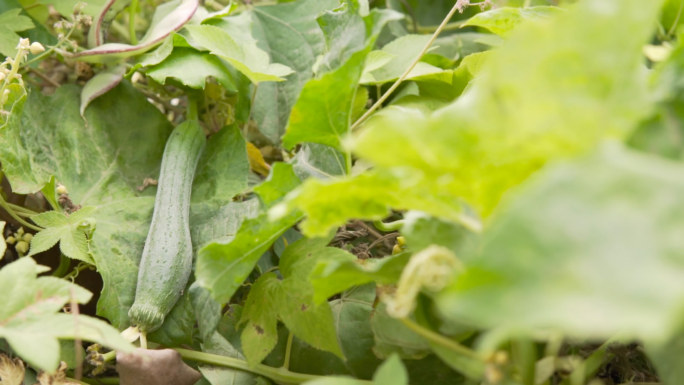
(260, 333)
(502, 21)
(392, 336)
(371, 195)
(101, 83)
(207, 311)
(217, 375)
(290, 300)
(345, 33)
(585, 248)
(323, 111)
(222, 170)
(340, 271)
(29, 321)
(168, 17)
(352, 313)
(388, 64)
(422, 230)
(179, 326)
(280, 181)
(290, 34)
(312, 323)
(391, 372)
(241, 51)
(191, 68)
(318, 161)
(220, 225)
(222, 267)
(70, 231)
(11, 22)
(664, 355)
(508, 124)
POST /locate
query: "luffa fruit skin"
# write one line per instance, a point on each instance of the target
(166, 260)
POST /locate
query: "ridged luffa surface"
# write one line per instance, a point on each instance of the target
(167, 256)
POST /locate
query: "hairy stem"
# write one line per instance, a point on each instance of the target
(6, 206)
(280, 375)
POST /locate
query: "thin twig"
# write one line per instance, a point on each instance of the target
(374, 233)
(410, 68)
(44, 77)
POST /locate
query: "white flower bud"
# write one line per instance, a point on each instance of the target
(36, 48)
(24, 44)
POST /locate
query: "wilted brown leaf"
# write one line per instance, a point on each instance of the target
(154, 367)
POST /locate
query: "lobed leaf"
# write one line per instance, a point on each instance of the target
(30, 322)
(243, 54)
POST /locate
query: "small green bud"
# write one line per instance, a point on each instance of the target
(10, 240)
(27, 237)
(22, 247)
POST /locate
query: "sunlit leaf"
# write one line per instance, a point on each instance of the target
(502, 21)
(585, 248)
(30, 322)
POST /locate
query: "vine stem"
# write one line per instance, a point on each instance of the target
(132, 8)
(440, 339)
(5, 205)
(54, 47)
(280, 375)
(410, 68)
(288, 351)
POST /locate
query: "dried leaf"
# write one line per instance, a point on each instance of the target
(11, 370)
(152, 367)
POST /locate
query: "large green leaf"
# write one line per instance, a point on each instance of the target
(587, 85)
(290, 34)
(241, 51)
(352, 313)
(341, 271)
(222, 267)
(191, 68)
(30, 320)
(291, 301)
(11, 22)
(389, 63)
(217, 375)
(587, 248)
(323, 111)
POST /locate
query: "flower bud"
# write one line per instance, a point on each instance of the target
(22, 247)
(36, 48)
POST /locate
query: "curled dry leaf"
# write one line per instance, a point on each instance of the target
(154, 367)
(11, 370)
(57, 378)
